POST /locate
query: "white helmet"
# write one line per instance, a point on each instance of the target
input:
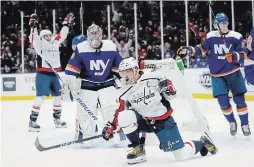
(45, 32)
(128, 63)
(94, 36)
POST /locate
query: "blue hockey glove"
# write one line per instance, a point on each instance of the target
(233, 57)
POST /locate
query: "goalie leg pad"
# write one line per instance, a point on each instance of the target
(127, 120)
(87, 125)
(108, 102)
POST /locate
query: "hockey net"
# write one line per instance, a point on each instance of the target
(189, 118)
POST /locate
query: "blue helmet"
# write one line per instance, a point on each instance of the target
(220, 18)
(78, 39)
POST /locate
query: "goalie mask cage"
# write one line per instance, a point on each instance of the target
(190, 120)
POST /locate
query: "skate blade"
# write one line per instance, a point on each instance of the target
(33, 130)
(60, 126)
(140, 159)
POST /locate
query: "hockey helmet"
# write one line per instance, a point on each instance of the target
(94, 36)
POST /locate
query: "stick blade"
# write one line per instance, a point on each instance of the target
(38, 145)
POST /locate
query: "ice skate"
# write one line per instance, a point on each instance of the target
(209, 145)
(137, 155)
(59, 123)
(246, 130)
(34, 127)
(233, 128)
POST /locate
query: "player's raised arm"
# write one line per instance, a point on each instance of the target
(62, 35)
(198, 50)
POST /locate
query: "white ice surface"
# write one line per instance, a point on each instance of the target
(18, 150)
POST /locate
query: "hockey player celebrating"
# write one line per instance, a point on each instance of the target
(96, 57)
(249, 59)
(221, 45)
(145, 106)
(47, 49)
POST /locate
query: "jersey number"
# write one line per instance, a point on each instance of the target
(98, 65)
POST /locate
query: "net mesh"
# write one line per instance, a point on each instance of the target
(189, 118)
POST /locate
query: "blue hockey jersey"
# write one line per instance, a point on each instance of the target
(216, 48)
(249, 58)
(98, 66)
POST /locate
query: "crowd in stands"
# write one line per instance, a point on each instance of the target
(121, 27)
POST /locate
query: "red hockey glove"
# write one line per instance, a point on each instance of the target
(33, 22)
(68, 19)
(167, 89)
(108, 130)
(233, 57)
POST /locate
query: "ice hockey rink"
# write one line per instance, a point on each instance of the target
(18, 149)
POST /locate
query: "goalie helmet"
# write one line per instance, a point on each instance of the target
(94, 36)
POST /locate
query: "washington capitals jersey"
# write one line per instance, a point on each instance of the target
(217, 47)
(249, 59)
(97, 65)
(145, 97)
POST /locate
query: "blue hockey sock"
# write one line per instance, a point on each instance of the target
(198, 145)
(242, 109)
(226, 107)
(134, 138)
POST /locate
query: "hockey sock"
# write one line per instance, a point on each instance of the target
(57, 114)
(197, 145)
(134, 138)
(241, 109)
(226, 107)
(34, 116)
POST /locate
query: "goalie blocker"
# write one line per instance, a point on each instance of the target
(145, 107)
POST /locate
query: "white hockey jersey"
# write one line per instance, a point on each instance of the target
(48, 50)
(145, 98)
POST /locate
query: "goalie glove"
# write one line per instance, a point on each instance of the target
(68, 20)
(167, 89)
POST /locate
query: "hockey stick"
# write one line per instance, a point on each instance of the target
(41, 148)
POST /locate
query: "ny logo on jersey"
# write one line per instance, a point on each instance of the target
(221, 48)
(98, 65)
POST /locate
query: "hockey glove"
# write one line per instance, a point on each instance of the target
(184, 50)
(108, 130)
(68, 20)
(167, 89)
(233, 57)
(33, 22)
